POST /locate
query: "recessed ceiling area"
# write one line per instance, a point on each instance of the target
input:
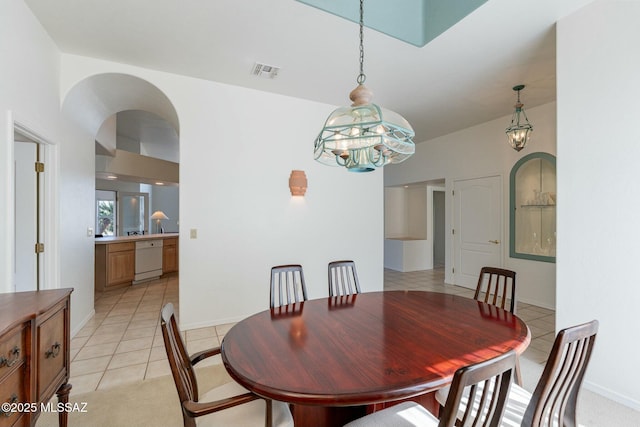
(417, 22)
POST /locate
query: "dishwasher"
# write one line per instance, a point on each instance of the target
(148, 260)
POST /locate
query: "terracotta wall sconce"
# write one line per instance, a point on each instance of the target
(297, 183)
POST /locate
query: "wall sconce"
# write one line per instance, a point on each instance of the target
(297, 183)
(159, 216)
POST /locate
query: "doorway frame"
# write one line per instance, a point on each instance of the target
(431, 232)
(50, 274)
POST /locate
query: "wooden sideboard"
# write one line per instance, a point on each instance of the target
(34, 353)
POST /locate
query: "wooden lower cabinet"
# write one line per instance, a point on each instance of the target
(115, 264)
(170, 255)
(115, 261)
(34, 352)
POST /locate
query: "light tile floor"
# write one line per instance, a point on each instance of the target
(123, 342)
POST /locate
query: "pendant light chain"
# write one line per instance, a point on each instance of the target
(361, 77)
(363, 136)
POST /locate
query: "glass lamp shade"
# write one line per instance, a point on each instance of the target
(518, 133)
(364, 137)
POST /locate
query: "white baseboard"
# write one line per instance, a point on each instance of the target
(77, 329)
(612, 395)
(208, 323)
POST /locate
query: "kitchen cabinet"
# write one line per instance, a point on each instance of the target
(170, 255)
(115, 258)
(34, 352)
(114, 264)
(533, 208)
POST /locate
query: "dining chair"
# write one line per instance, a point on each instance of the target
(554, 400)
(497, 286)
(343, 278)
(486, 383)
(229, 405)
(287, 284)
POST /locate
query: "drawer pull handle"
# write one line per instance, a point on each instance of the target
(15, 355)
(55, 350)
(14, 399)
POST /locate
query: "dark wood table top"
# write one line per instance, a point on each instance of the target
(367, 348)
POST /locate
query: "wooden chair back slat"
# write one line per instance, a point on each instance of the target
(287, 285)
(486, 385)
(343, 278)
(555, 398)
(179, 361)
(497, 286)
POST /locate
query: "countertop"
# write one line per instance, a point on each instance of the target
(405, 238)
(117, 239)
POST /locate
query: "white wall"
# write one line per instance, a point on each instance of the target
(395, 213)
(107, 137)
(480, 151)
(416, 200)
(29, 84)
(237, 149)
(599, 188)
(405, 212)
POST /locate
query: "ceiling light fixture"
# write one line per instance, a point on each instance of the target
(364, 136)
(519, 133)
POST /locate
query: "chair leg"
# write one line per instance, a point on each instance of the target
(518, 376)
(268, 416)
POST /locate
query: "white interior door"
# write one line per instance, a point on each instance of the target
(477, 207)
(26, 275)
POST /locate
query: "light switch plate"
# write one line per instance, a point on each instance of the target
(193, 233)
(89, 232)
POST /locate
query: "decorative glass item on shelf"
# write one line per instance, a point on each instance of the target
(532, 206)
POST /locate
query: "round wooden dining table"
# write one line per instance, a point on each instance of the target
(334, 358)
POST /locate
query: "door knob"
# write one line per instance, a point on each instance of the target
(495, 242)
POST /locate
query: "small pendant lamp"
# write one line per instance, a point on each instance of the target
(518, 133)
(364, 136)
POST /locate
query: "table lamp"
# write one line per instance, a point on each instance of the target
(159, 216)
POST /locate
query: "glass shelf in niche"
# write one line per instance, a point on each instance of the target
(532, 208)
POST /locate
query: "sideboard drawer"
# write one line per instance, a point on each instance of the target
(51, 352)
(12, 349)
(12, 390)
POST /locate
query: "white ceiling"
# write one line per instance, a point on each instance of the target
(462, 78)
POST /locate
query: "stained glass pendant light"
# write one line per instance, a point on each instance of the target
(364, 136)
(519, 133)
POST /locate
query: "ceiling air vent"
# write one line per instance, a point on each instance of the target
(265, 71)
